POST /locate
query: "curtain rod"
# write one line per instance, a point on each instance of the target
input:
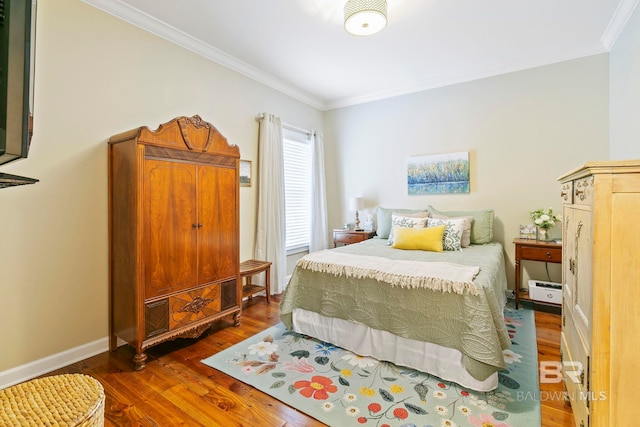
(309, 133)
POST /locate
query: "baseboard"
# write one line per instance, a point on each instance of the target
(51, 363)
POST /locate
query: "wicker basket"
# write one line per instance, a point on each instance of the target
(59, 400)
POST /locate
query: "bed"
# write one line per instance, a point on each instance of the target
(452, 329)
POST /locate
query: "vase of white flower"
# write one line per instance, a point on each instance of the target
(544, 219)
(542, 234)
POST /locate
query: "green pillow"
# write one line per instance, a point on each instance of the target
(383, 220)
(481, 226)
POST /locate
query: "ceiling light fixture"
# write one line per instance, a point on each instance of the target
(365, 17)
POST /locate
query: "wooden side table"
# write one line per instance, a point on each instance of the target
(347, 237)
(250, 268)
(534, 250)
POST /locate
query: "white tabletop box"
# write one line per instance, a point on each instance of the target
(548, 292)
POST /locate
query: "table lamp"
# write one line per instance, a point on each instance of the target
(356, 204)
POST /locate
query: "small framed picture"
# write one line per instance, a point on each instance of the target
(528, 231)
(245, 173)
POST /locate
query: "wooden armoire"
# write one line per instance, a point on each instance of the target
(173, 233)
(601, 292)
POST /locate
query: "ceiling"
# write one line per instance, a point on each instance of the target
(300, 47)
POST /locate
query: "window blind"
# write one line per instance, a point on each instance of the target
(297, 179)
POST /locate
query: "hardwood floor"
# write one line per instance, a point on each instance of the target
(555, 412)
(176, 389)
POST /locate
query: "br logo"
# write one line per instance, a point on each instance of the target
(552, 372)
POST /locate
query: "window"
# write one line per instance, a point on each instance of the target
(297, 189)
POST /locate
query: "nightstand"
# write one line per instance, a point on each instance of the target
(347, 237)
(534, 250)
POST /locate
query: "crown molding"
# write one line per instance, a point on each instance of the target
(618, 21)
(155, 26)
(473, 74)
(161, 29)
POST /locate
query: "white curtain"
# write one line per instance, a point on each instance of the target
(270, 233)
(319, 238)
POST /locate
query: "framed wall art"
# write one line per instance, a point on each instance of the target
(245, 173)
(438, 174)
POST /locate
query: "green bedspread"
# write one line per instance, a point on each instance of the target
(472, 324)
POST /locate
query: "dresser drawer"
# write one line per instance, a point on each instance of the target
(193, 305)
(348, 238)
(566, 192)
(583, 191)
(542, 254)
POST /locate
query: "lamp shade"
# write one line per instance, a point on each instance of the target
(356, 203)
(365, 17)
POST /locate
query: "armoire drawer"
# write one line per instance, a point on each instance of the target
(583, 191)
(566, 192)
(170, 313)
(190, 306)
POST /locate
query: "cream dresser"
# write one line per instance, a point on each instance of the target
(601, 292)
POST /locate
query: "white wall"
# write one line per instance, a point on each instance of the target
(522, 130)
(625, 92)
(97, 76)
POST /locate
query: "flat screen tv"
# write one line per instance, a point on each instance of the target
(17, 54)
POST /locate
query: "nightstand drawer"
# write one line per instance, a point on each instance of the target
(542, 254)
(348, 238)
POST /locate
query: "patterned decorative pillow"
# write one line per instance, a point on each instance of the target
(416, 220)
(383, 219)
(451, 241)
(465, 242)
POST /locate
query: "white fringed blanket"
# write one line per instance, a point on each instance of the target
(441, 276)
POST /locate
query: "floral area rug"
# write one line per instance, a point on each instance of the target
(340, 388)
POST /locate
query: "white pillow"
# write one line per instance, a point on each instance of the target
(465, 241)
(451, 241)
(415, 220)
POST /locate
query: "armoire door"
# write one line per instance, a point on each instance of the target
(568, 261)
(170, 227)
(582, 234)
(217, 212)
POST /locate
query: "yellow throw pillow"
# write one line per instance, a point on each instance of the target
(426, 239)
